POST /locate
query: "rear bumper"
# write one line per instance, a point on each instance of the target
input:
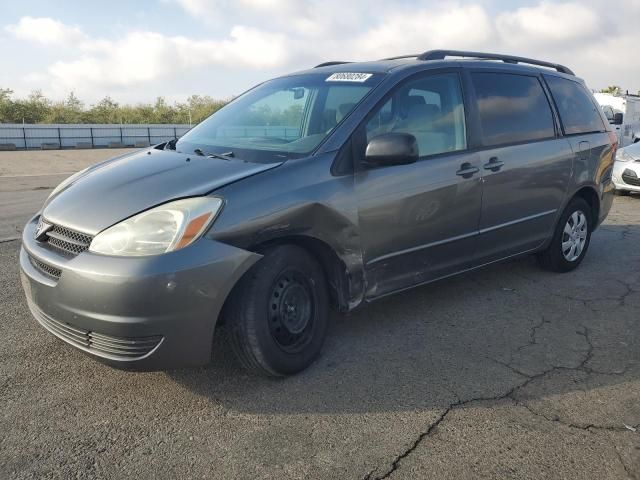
(144, 313)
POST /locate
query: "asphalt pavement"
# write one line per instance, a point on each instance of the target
(508, 372)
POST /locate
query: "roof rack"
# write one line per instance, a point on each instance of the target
(329, 64)
(400, 57)
(442, 54)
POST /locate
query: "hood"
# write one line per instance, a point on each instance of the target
(117, 189)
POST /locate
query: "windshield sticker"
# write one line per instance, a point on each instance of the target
(349, 77)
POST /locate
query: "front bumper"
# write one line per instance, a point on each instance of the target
(144, 313)
(623, 176)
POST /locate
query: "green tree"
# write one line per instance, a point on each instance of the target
(70, 110)
(36, 108)
(197, 108)
(33, 109)
(614, 89)
(163, 112)
(5, 94)
(105, 111)
(5, 104)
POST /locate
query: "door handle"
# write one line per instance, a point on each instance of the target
(494, 164)
(467, 170)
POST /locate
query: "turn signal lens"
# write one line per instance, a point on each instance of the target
(194, 229)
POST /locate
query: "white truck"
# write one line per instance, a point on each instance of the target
(622, 111)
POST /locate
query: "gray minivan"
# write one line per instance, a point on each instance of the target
(331, 187)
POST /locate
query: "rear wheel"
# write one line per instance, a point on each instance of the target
(278, 312)
(570, 240)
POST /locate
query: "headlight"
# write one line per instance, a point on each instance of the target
(622, 156)
(162, 229)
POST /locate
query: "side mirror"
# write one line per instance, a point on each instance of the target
(392, 149)
(617, 119)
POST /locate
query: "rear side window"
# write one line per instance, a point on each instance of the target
(578, 112)
(512, 108)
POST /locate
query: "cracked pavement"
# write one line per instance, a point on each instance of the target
(508, 372)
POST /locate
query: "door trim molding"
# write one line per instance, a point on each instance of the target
(459, 237)
(519, 220)
(421, 247)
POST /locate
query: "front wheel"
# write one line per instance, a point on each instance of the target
(278, 312)
(570, 240)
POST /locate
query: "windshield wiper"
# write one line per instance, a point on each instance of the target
(223, 156)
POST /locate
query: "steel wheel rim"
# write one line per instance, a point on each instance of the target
(574, 236)
(291, 312)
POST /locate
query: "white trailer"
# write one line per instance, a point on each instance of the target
(622, 111)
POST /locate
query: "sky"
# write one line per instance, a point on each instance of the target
(137, 51)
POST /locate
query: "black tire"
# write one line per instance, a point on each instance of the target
(622, 193)
(278, 312)
(553, 258)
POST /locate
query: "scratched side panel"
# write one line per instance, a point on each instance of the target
(301, 198)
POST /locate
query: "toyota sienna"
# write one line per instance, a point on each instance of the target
(331, 187)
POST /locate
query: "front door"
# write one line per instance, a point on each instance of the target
(419, 222)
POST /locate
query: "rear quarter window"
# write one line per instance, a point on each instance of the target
(578, 112)
(512, 108)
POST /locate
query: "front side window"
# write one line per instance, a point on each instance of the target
(578, 112)
(283, 118)
(512, 108)
(429, 108)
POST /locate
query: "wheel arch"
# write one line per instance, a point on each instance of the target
(590, 195)
(334, 268)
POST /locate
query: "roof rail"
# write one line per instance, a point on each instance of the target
(328, 64)
(442, 54)
(400, 57)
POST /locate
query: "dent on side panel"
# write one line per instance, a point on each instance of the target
(314, 221)
(298, 202)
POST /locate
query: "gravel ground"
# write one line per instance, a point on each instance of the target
(509, 372)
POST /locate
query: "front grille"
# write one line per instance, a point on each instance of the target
(46, 269)
(106, 346)
(66, 240)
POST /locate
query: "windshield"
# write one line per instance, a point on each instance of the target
(282, 118)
